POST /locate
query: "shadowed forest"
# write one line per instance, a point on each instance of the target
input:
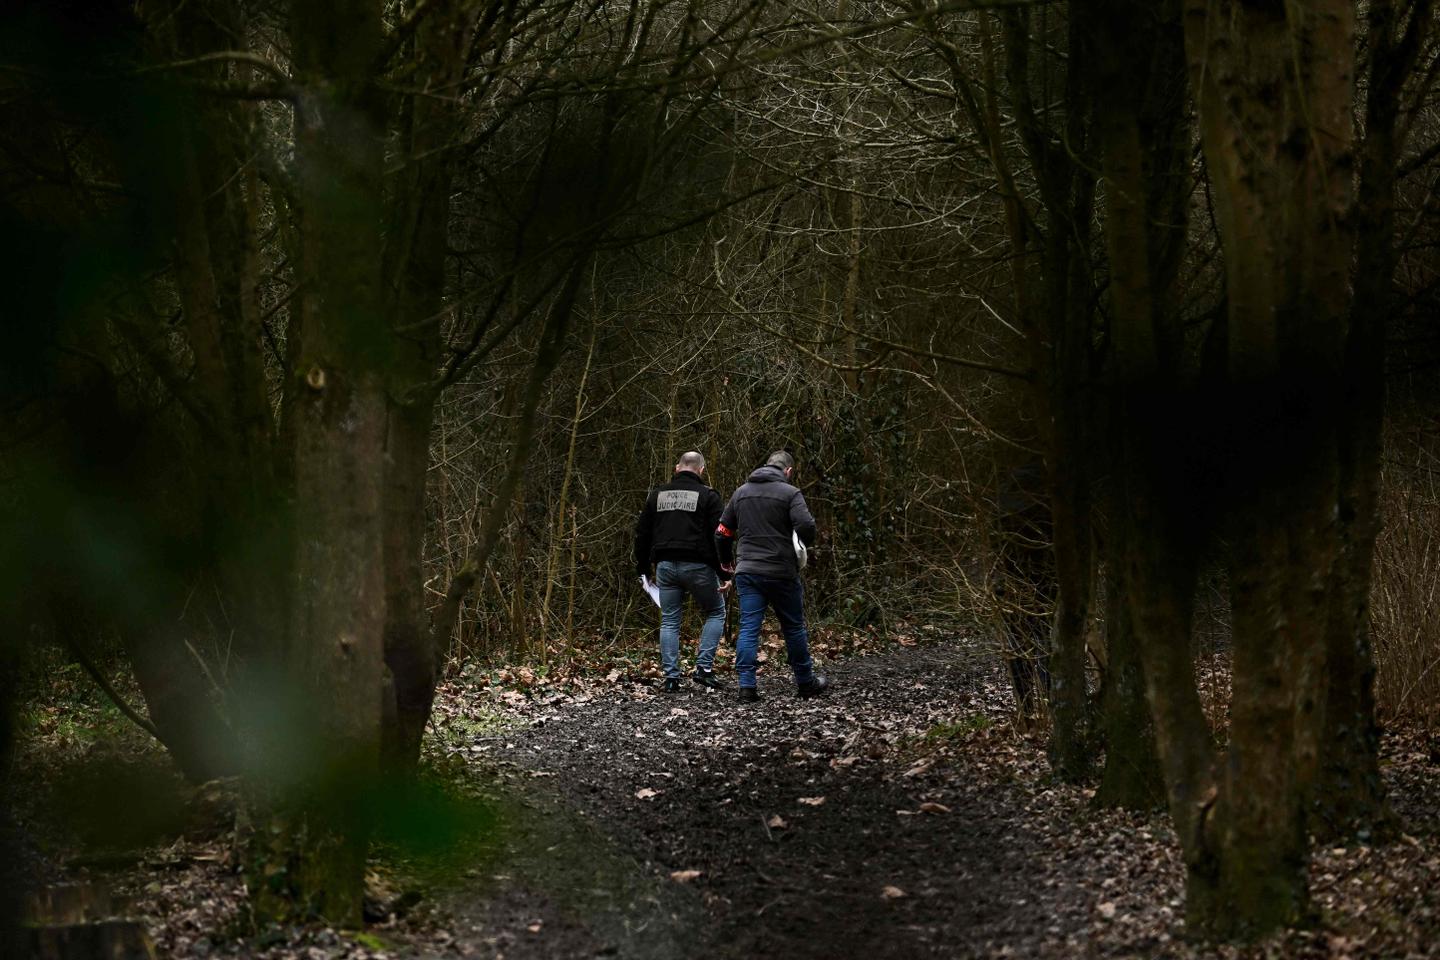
(344, 342)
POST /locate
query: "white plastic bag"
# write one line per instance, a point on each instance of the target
(802, 556)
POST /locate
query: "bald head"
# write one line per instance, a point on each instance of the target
(691, 461)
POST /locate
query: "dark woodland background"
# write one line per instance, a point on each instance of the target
(343, 340)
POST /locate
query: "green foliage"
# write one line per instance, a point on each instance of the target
(958, 730)
(370, 942)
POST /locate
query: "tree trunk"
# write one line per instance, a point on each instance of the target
(1143, 137)
(411, 655)
(312, 858)
(1274, 85)
(1058, 324)
(232, 512)
(415, 274)
(1131, 779)
(1069, 310)
(1349, 796)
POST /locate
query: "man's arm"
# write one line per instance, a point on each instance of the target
(801, 519)
(644, 535)
(725, 537)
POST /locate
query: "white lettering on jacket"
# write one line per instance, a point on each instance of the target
(687, 500)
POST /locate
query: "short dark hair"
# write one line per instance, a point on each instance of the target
(780, 459)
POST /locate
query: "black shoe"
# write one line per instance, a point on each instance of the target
(672, 685)
(816, 687)
(706, 678)
(749, 695)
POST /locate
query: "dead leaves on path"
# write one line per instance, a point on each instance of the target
(586, 666)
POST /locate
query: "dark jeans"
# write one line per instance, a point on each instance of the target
(786, 596)
(676, 578)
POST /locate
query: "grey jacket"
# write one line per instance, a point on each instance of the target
(762, 515)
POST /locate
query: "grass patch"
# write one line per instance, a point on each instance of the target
(958, 730)
(369, 941)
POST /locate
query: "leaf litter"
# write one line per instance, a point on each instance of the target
(990, 857)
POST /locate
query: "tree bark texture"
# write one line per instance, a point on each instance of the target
(202, 194)
(312, 853)
(1131, 778)
(415, 277)
(1274, 86)
(1143, 140)
(1060, 327)
(1349, 796)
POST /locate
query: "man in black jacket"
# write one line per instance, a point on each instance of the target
(766, 515)
(675, 532)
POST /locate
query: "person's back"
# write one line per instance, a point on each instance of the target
(675, 534)
(768, 511)
(684, 513)
(762, 518)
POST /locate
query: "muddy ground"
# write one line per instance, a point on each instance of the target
(902, 816)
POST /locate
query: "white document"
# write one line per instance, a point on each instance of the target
(650, 588)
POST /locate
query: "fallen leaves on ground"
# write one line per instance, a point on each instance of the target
(921, 732)
(906, 736)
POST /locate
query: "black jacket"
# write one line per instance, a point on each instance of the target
(763, 514)
(678, 523)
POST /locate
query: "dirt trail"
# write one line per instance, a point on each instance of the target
(900, 817)
(798, 816)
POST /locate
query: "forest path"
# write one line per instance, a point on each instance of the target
(632, 786)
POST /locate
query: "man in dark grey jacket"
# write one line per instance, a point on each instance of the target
(765, 515)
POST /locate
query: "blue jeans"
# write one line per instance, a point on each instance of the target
(675, 578)
(786, 596)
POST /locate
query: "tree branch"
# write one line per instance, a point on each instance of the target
(70, 637)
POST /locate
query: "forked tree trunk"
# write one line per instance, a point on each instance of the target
(1274, 85)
